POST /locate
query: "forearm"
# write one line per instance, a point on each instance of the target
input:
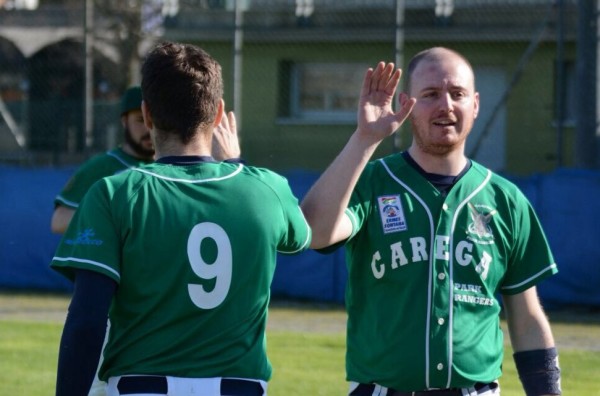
(61, 218)
(79, 353)
(535, 354)
(84, 333)
(528, 326)
(325, 202)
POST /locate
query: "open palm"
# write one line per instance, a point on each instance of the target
(376, 118)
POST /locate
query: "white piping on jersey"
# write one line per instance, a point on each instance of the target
(354, 222)
(234, 173)
(550, 267)
(66, 202)
(451, 271)
(450, 268)
(430, 284)
(95, 263)
(306, 241)
(238, 170)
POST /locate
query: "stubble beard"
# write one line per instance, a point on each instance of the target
(137, 147)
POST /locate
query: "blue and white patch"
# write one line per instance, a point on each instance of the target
(391, 213)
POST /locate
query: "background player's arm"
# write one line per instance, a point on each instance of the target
(61, 218)
(326, 201)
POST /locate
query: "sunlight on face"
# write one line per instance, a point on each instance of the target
(447, 104)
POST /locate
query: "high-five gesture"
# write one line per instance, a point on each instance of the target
(325, 202)
(376, 118)
(225, 142)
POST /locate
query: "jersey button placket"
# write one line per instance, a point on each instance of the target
(439, 327)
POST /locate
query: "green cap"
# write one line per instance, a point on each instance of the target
(131, 100)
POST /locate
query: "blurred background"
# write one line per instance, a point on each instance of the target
(292, 71)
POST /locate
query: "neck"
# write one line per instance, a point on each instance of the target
(174, 147)
(448, 164)
(130, 151)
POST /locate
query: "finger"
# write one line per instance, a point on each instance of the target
(406, 106)
(385, 77)
(393, 81)
(376, 77)
(366, 87)
(232, 123)
(224, 123)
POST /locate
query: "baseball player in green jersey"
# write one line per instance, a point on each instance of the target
(183, 251)
(432, 238)
(136, 150)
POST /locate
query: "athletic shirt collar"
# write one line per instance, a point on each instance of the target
(185, 159)
(442, 183)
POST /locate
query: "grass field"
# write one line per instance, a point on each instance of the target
(306, 346)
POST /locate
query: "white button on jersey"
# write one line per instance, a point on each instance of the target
(441, 321)
(441, 276)
(445, 206)
(440, 366)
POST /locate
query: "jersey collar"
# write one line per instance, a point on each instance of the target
(185, 159)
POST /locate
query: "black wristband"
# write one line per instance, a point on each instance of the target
(539, 371)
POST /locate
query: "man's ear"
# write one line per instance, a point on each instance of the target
(147, 116)
(220, 111)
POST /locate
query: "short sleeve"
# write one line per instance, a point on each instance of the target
(531, 258)
(91, 241)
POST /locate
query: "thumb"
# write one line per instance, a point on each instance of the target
(406, 106)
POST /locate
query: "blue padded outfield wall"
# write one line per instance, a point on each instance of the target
(566, 201)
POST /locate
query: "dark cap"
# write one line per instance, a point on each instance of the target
(131, 100)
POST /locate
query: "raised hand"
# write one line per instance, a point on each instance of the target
(225, 142)
(376, 118)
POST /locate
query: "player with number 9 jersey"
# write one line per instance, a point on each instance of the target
(193, 250)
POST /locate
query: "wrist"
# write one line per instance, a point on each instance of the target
(539, 371)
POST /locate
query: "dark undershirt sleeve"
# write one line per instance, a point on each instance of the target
(83, 333)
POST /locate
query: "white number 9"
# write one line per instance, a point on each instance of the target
(220, 270)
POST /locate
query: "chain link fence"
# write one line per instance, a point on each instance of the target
(292, 71)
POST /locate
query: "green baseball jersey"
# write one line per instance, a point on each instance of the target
(193, 249)
(94, 169)
(424, 270)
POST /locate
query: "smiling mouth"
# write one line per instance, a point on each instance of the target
(445, 123)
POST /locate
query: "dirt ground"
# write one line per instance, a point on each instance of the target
(573, 327)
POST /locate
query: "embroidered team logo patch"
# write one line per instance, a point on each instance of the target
(392, 214)
(479, 227)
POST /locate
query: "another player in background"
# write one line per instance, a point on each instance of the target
(136, 150)
(431, 238)
(183, 251)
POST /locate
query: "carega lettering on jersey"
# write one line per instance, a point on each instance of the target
(417, 249)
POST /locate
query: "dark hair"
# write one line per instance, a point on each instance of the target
(182, 87)
(429, 54)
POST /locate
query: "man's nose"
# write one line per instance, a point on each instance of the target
(446, 103)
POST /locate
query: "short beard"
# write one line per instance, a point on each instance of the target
(138, 148)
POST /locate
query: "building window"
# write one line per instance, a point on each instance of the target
(323, 92)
